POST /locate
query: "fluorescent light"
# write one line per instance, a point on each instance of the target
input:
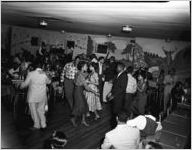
(127, 28)
(43, 23)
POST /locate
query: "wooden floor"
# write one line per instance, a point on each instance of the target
(17, 134)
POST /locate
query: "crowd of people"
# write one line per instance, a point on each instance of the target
(137, 97)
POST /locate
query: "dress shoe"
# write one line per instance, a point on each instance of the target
(44, 129)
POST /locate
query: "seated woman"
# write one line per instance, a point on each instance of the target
(58, 140)
(146, 124)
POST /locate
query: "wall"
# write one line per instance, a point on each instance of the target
(81, 43)
(155, 45)
(21, 38)
(5, 37)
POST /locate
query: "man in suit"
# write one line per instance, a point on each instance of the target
(123, 136)
(36, 82)
(118, 91)
(101, 77)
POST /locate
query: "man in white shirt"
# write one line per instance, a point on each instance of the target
(37, 95)
(130, 90)
(123, 136)
(146, 124)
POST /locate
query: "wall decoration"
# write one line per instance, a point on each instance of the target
(168, 54)
(134, 54)
(102, 48)
(34, 41)
(70, 44)
(89, 46)
(128, 51)
(182, 59)
(111, 46)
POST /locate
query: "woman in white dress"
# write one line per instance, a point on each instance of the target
(93, 100)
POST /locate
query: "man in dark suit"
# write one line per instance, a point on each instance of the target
(117, 93)
(101, 77)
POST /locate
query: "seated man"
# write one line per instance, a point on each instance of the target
(123, 136)
(146, 124)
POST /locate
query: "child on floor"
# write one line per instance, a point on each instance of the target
(93, 100)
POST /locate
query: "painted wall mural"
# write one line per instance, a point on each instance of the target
(148, 50)
(21, 39)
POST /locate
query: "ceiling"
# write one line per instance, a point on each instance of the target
(149, 19)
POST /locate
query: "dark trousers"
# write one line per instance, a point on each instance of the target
(128, 102)
(101, 83)
(68, 89)
(117, 107)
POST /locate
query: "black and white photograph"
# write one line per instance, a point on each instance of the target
(96, 75)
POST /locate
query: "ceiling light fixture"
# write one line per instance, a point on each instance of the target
(109, 35)
(62, 31)
(127, 28)
(43, 23)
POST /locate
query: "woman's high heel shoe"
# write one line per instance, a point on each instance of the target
(85, 123)
(73, 122)
(97, 117)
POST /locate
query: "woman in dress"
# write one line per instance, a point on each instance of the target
(141, 93)
(80, 104)
(93, 100)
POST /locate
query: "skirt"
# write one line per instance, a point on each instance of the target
(80, 103)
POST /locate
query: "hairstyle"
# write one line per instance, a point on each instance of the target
(178, 83)
(93, 56)
(100, 58)
(130, 69)
(121, 65)
(94, 65)
(77, 57)
(172, 70)
(38, 64)
(112, 58)
(154, 145)
(56, 141)
(81, 64)
(123, 116)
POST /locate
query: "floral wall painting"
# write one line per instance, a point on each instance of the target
(134, 54)
(168, 54)
(110, 46)
(182, 59)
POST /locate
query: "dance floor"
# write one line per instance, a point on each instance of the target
(81, 137)
(175, 133)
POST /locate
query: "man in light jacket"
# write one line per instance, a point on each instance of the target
(36, 82)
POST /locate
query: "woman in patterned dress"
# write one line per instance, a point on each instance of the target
(141, 93)
(80, 104)
(93, 100)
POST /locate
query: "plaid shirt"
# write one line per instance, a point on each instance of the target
(69, 71)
